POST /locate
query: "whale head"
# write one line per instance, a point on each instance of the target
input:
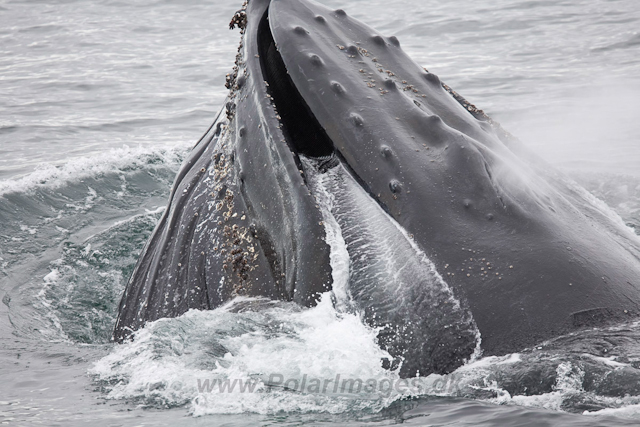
(340, 165)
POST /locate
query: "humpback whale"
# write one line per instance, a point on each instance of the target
(339, 165)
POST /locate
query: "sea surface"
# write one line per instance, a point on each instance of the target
(101, 101)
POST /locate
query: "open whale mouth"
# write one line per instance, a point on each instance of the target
(302, 131)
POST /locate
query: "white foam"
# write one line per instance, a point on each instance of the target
(51, 327)
(569, 378)
(551, 401)
(147, 213)
(115, 160)
(631, 411)
(28, 229)
(609, 361)
(52, 277)
(489, 361)
(162, 366)
(339, 256)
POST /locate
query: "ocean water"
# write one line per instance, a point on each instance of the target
(101, 101)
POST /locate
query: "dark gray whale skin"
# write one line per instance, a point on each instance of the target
(529, 254)
(239, 221)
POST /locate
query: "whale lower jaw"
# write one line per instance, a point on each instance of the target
(380, 271)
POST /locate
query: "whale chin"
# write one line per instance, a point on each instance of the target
(338, 165)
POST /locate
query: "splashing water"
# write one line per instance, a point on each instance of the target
(287, 359)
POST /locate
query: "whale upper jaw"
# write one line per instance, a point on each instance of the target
(523, 251)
